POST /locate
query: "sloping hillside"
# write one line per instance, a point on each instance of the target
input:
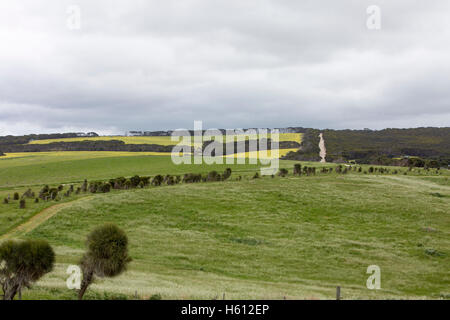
(388, 146)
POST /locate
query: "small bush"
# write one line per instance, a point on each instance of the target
(22, 204)
(170, 180)
(135, 181)
(22, 264)
(107, 255)
(28, 193)
(283, 172)
(226, 173)
(192, 178)
(84, 186)
(213, 176)
(16, 196)
(157, 180)
(5, 201)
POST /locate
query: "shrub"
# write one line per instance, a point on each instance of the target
(22, 204)
(192, 178)
(36, 200)
(22, 264)
(44, 193)
(256, 176)
(170, 180)
(127, 185)
(84, 186)
(226, 173)
(99, 187)
(28, 193)
(213, 176)
(283, 172)
(118, 183)
(297, 169)
(107, 255)
(145, 181)
(5, 201)
(105, 187)
(135, 181)
(157, 180)
(53, 192)
(16, 196)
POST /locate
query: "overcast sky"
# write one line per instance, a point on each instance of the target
(151, 65)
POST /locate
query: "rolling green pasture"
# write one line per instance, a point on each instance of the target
(67, 167)
(267, 238)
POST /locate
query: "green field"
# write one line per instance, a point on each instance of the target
(267, 238)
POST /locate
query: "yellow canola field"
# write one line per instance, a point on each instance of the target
(163, 141)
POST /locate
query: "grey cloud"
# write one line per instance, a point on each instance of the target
(161, 65)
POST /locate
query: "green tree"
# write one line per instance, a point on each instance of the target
(297, 169)
(107, 255)
(22, 263)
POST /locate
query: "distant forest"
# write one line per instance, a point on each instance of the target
(406, 147)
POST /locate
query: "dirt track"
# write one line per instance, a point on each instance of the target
(323, 150)
(38, 219)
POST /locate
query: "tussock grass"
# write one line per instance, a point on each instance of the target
(267, 238)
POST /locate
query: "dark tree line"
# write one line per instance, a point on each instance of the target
(9, 140)
(86, 145)
(419, 147)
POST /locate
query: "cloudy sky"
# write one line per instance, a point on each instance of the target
(151, 65)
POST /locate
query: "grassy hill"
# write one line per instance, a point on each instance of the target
(293, 237)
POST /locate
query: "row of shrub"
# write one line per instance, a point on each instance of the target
(300, 170)
(122, 183)
(47, 193)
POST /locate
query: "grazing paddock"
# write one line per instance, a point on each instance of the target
(293, 237)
